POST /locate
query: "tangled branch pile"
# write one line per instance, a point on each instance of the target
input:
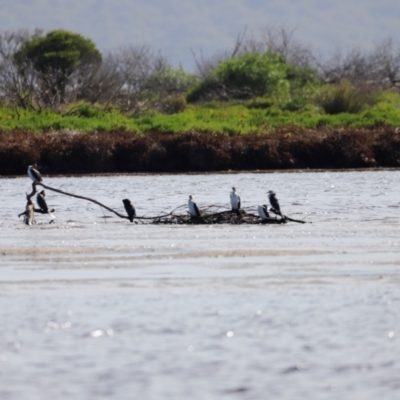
(213, 215)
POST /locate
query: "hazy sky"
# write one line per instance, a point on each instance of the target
(176, 26)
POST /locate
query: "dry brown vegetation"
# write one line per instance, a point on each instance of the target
(116, 152)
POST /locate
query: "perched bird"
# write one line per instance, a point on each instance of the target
(130, 209)
(193, 209)
(34, 174)
(274, 202)
(29, 212)
(41, 202)
(263, 211)
(235, 200)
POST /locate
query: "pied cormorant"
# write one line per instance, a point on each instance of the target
(40, 199)
(274, 202)
(263, 211)
(130, 209)
(34, 174)
(193, 209)
(235, 200)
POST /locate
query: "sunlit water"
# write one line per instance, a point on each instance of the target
(94, 307)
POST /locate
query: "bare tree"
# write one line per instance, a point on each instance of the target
(102, 85)
(378, 68)
(131, 68)
(16, 88)
(276, 40)
(385, 64)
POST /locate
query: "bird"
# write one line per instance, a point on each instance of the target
(193, 209)
(130, 209)
(274, 202)
(235, 200)
(41, 201)
(34, 174)
(263, 211)
(29, 213)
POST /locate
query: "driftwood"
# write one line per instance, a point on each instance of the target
(83, 198)
(210, 215)
(288, 218)
(213, 215)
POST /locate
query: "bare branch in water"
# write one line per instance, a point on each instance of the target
(83, 198)
(212, 214)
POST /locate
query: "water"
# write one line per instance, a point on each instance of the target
(98, 308)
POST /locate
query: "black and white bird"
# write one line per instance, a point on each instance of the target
(41, 202)
(235, 200)
(193, 209)
(263, 211)
(130, 209)
(34, 174)
(274, 202)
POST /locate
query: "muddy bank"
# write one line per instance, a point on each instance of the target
(287, 148)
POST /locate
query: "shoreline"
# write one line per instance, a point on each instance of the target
(229, 172)
(288, 149)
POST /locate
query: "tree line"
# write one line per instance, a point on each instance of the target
(56, 69)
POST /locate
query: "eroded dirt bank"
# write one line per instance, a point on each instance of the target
(287, 148)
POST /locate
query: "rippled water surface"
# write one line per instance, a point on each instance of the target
(99, 308)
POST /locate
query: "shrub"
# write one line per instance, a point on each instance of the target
(174, 104)
(209, 89)
(253, 74)
(85, 110)
(342, 98)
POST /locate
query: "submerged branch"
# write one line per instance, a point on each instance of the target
(83, 198)
(209, 215)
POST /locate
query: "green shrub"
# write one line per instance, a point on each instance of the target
(342, 98)
(208, 89)
(174, 104)
(260, 102)
(85, 110)
(253, 74)
(171, 80)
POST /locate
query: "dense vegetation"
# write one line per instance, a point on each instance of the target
(252, 116)
(268, 103)
(61, 81)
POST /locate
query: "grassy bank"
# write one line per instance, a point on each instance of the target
(253, 116)
(286, 148)
(213, 136)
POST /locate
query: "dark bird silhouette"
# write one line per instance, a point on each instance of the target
(274, 202)
(130, 209)
(34, 174)
(41, 202)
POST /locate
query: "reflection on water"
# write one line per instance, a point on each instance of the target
(95, 307)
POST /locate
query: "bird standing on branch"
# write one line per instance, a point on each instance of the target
(130, 209)
(263, 211)
(274, 202)
(34, 174)
(193, 209)
(235, 200)
(41, 201)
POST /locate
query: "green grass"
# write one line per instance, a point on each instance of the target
(214, 117)
(45, 120)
